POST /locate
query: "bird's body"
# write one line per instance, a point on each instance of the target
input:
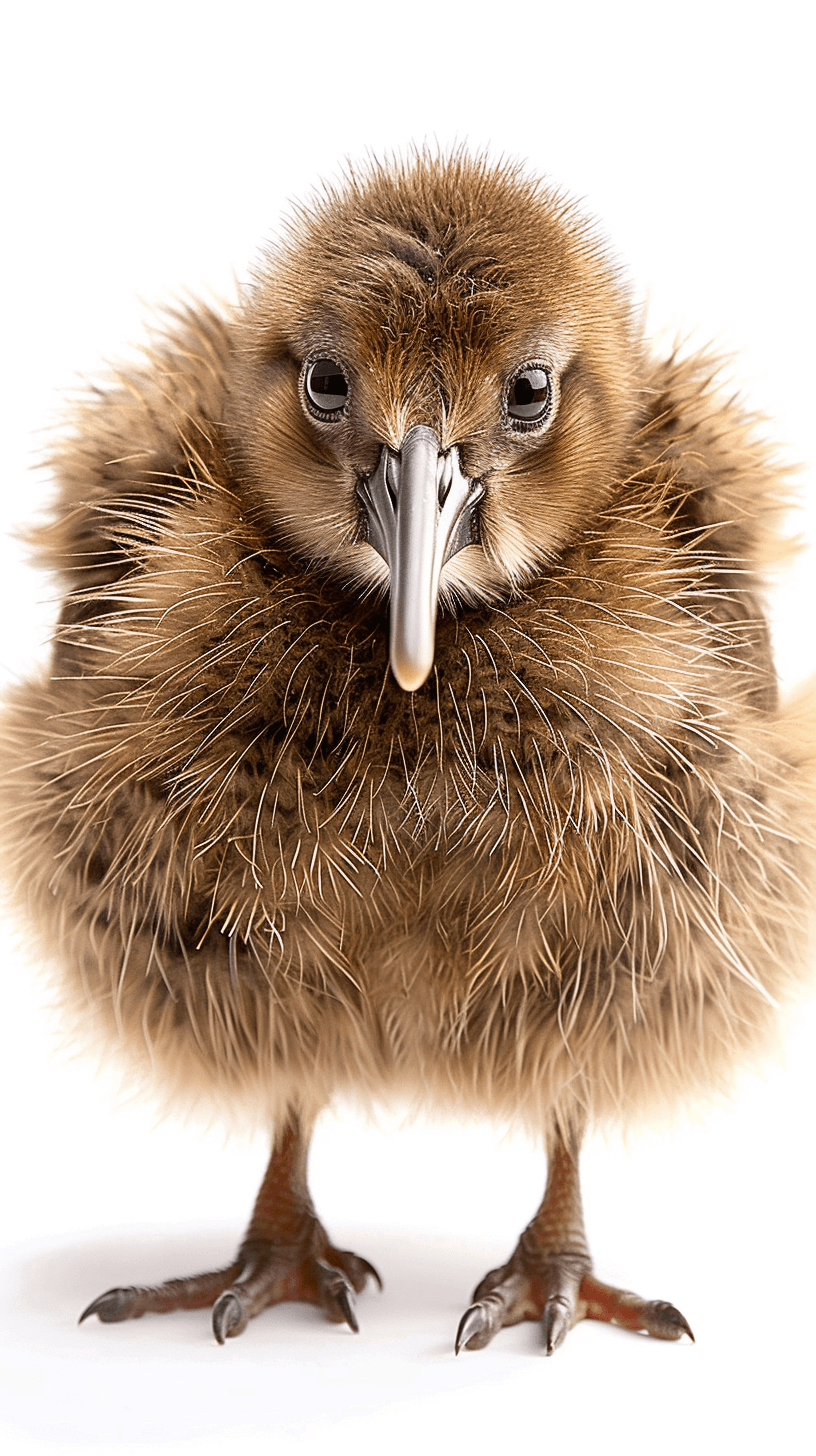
(567, 877)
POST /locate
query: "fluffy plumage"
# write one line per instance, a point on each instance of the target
(567, 879)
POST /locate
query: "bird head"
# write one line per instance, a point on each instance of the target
(435, 376)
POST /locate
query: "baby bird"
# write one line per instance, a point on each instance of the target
(411, 728)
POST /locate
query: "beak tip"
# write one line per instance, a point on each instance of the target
(410, 676)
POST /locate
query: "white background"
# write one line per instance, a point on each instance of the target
(150, 149)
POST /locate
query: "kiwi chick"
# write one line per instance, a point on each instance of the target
(411, 728)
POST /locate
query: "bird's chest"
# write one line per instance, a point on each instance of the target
(420, 859)
(421, 845)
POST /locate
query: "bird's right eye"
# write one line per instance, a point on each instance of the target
(326, 388)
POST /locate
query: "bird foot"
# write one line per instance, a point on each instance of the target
(267, 1271)
(558, 1290)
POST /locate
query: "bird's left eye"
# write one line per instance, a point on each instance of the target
(326, 387)
(529, 396)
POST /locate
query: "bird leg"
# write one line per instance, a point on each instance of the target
(548, 1277)
(285, 1255)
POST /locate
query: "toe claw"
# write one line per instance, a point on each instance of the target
(336, 1289)
(345, 1300)
(556, 1322)
(229, 1317)
(671, 1323)
(369, 1269)
(112, 1306)
(472, 1324)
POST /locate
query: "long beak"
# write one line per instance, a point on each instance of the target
(420, 510)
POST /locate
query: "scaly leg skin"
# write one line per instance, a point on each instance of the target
(286, 1255)
(548, 1277)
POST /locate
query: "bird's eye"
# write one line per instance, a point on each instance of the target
(529, 396)
(326, 387)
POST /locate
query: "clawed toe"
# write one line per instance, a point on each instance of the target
(132, 1302)
(655, 1317)
(502, 1298)
(677, 1322)
(335, 1292)
(473, 1329)
(556, 1321)
(364, 1271)
(664, 1322)
(482, 1321)
(229, 1316)
(112, 1306)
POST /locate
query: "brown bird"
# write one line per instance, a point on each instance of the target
(411, 728)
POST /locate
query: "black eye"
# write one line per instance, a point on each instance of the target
(326, 386)
(529, 395)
